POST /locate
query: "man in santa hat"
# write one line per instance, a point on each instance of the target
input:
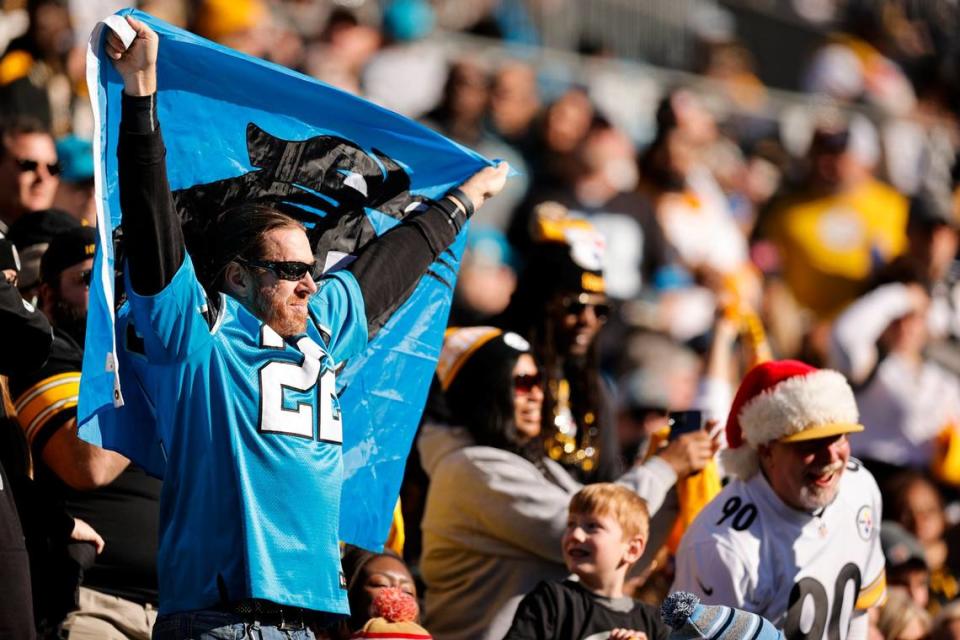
(794, 536)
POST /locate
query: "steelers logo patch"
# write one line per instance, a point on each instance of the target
(865, 522)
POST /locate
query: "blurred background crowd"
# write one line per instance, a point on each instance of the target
(744, 179)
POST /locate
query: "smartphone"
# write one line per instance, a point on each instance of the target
(682, 422)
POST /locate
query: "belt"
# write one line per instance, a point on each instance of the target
(275, 615)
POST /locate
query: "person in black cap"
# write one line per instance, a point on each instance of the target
(65, 272)
(560, 305)
(26, 332)
(32, 234)
(118, 499)
(932, 237)
(26, 343)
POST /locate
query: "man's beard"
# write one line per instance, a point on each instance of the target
(279, 315)
(813, 498)
(71, 320)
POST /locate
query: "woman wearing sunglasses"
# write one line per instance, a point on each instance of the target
(496, 507)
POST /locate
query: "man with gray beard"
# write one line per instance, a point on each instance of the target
(795, 536)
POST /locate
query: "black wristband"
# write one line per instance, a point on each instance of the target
(464, 199)
(453, 214)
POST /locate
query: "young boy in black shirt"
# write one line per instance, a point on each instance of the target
(606, 534)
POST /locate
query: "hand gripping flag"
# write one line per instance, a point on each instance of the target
(241, 129)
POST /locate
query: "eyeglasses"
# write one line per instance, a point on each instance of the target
(86, 276)
(285, 270)
(525, 382)
(32, 165)
(575, 305)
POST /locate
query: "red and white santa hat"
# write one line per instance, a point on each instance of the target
(786, 401)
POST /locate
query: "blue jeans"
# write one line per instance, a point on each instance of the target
(219, 625)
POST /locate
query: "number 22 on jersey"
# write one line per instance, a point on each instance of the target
(280, 377)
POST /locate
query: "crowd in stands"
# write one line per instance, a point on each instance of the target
(651, 249)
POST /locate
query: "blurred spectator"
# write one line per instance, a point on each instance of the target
(903, 619)
(407, 74)
(946, 626)
(243, 25)
(600, 188)
(556, 136)
(841, 225)
(484, 549)
(916, 504)
(665, 378)
(75, 193)
(460, 115)
(905, 400)
(29, 170)
(26, 345)
(466, 94)
(906, 563)
(514, 103)
(933, 238)
(486, 280)
(32, 234)
(34, 76)
(704, 250)
(118, 593)
(342, 50)
(854, 67)
(731, 65)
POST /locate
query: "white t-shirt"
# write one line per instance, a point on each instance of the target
(812, 575)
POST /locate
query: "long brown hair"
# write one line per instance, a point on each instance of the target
(239, 233)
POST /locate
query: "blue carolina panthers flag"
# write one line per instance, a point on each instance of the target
(238, 128)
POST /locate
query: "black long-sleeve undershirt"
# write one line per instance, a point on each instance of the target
(387, 269)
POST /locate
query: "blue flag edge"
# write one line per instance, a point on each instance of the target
(101, 391)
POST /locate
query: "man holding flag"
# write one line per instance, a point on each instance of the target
(242, 383)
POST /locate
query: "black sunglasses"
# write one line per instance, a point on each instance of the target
(285, 270)
(576, 305)
(525, 382)
(32, 165)
(86, 276)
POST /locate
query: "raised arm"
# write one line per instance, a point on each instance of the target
(389, 268)
(152, 235)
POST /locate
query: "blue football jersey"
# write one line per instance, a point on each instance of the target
(251, 428)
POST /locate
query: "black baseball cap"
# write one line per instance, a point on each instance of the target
(67, 249)
(31, 234)
(39, 227)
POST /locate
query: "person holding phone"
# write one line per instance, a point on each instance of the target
(496, 507)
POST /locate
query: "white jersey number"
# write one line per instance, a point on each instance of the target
(808, 606)
(277, 377)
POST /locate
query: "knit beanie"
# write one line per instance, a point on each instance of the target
(689, 619)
